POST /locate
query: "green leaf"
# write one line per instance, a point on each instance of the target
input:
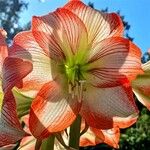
(48, 144)
(23, 102)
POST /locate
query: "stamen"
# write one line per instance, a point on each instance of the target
(81, 90)
(76, 89)
(70, 88)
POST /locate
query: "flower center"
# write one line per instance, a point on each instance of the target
(77, 89)
(76, 80)
(74, 72)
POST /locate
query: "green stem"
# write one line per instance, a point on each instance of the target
(75, 133)
(38, 144)
(48, 144)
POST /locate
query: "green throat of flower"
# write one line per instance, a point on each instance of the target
(75, 72)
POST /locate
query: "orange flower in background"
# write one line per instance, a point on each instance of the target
(96, 136)
(81, 65)
(10, 128)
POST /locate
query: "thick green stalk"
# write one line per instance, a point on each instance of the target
(48, 144)
(75, 133)
(38, 144)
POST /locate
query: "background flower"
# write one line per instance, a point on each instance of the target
(10, 128)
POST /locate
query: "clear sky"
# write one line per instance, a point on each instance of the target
(136, 12)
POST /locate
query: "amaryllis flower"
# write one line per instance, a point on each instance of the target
(81, 65)
(10, 128)
(141, 86)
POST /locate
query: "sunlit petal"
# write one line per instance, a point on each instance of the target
(99, 25)
(25, 47)
(14, 70)
(141, 86)
(113, 62)
(52, 111)
(102, 105)
(60, 34)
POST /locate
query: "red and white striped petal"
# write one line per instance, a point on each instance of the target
(90, 139)
(95, 136)
(111, 136)
(8, 147)
(146, 67)
(3, 49)
(125, 122)
(60, 34)
(27, 143)
(113, 62)
(142, 97)
(10, 128)
(99, 25)
(26, 47)
(14, 70)
(100, 106)
(141, 86)
(52, 110)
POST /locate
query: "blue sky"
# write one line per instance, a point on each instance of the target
(136, 12)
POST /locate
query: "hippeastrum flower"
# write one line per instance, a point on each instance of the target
(141, 86)
(81, 65)
(10, 128)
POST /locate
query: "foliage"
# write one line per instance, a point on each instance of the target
(9, 16)
(146, 57)
(137, 137)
